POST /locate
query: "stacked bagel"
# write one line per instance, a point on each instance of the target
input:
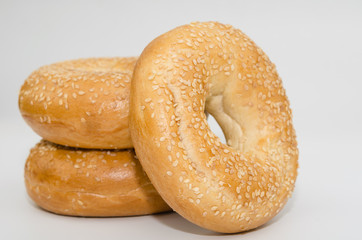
(85, 164)
(164, 97)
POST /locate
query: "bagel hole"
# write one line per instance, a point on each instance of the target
(215, 128)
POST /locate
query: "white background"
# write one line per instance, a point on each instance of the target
(316, 46)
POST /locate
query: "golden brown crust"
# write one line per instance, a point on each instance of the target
(89, 182)
(218, 68)
(80, 103)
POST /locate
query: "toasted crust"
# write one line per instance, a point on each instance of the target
(89, 182)
(80, 103)
(225, 188)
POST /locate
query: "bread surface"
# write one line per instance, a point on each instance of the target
(89, 182)
(225, 188)
(80, 103)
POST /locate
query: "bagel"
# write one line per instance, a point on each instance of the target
(213, 67)
(80, 103)
(89, 182)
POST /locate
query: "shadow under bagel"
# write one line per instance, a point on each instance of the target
(177, 222)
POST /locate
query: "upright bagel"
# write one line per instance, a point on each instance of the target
(89, 182)
(80, 103)
(218, 68)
